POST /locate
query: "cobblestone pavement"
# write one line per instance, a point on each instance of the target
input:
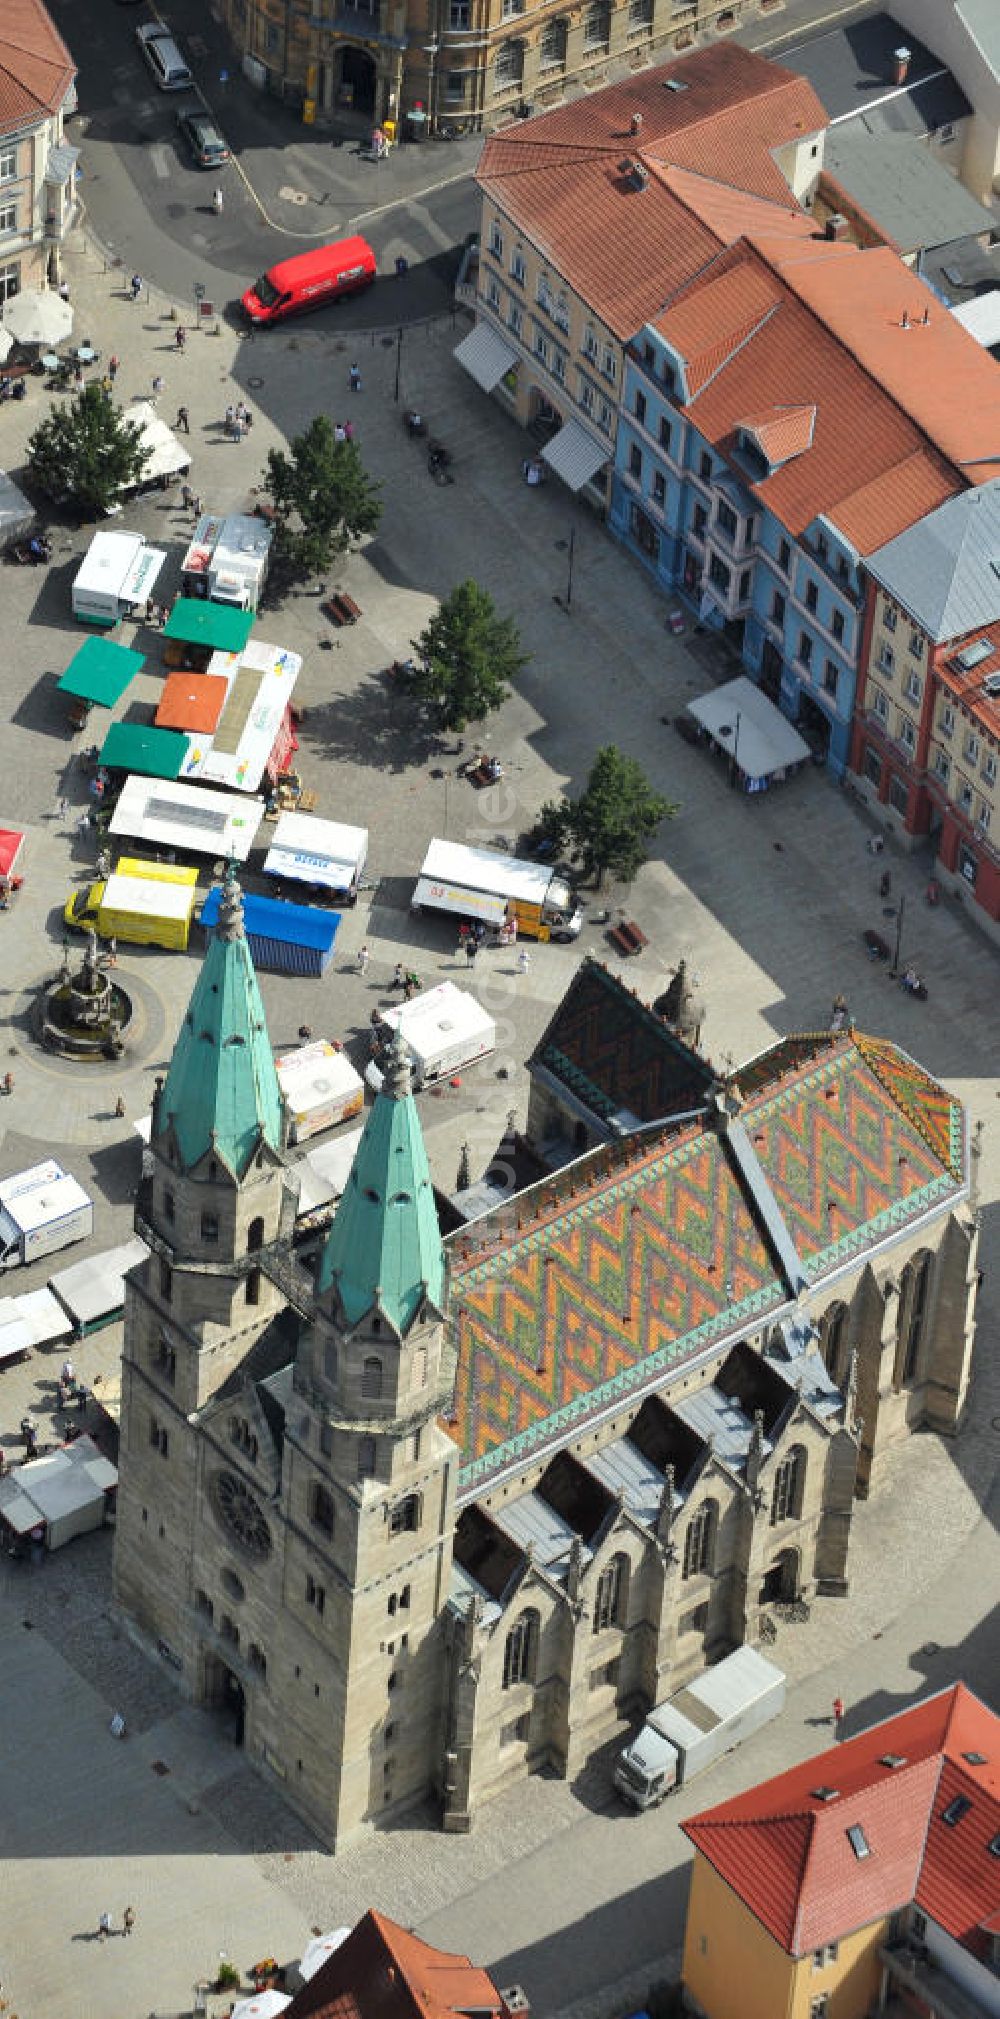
(556, 1887)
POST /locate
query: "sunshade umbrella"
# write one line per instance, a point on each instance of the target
(100, 672)
(263, 2005)
(316, 1952)
(37, 317)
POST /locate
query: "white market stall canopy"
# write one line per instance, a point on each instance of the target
(40, 1313)
(167, 457)
(323, 853)
(317, 1952)
(187, 817)
(16, 515)
(94, 1290)
(15, 1339)
(261, 679)
(323, 1173)
(742, 721)
(64, 1492)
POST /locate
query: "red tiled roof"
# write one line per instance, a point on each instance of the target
(564, 179)
(36, 68)
(782, 432)
(383, 1972)
(785, 1850)
(967, 685)
(717, 316)
(869, 465)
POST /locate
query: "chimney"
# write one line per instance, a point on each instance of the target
(901, 64)
(635, 123)
(836, 226)
(514, 2003)
(905, 321)
(925, 318)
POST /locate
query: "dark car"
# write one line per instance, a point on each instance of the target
(203, 138)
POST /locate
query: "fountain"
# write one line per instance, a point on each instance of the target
(84, 1016)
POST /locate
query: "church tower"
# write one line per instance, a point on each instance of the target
(216, 1195)
(369, 1478)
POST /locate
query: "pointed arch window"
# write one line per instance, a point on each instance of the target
(611, 1596)
(405, 1516)
(253, 1287)
(520, 1654)
(366, 1457)
(371, 1378)
(255, 1235)
(913, 1289)
(699, 1541)
(322, 1513)
(832, 1337)
(789, 1482)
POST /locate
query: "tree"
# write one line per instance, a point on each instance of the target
(323, 499)
(87, 454)
(466, 657)
(609, 825)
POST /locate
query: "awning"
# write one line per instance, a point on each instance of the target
(198, 623)
(100, 672)
(61, 164)
(741, 720)
(132, 746)
(192, 701)
(485, 355)
(11, 844)
(575, 456)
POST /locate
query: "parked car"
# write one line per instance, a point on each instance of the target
(203, 138)
(163, 56)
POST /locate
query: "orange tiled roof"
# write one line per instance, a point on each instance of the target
(564, 179)
(36, 68)
(382, 1971)
(717, 316)
(785, 1852)
(967, 684)
(782, 431)
(869, 464)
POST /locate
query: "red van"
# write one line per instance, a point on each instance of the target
(310, 279)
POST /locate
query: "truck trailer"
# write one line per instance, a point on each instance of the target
(41, 1210)
(500, 890)
(116, 577)
(693, 1728)
(144, 903)
(228, 558)
(442, 1030)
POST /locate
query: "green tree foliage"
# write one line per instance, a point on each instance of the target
(86, 454)
(466, 657)
(611, 822)
(323, 499)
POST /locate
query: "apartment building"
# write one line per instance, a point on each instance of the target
(38, 202)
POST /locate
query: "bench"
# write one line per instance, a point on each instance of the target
(628, 939)
(341, 609)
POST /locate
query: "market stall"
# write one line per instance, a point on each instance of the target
(41, 1314)
(11, 860)
(763, 747)
(186, 818)
(288, 938)
(97, 676)
(192, 701)
(93, 1291)
(166, 456)
(320, 1086)
(64, 1494)
(254, 737)
(322, 854)
(139, 747)
(17, 516)
(211, 626)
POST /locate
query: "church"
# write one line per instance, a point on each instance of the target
(431, 1511)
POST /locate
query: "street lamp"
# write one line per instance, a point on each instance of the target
(566, 602)
(430, 51)
(728, 729)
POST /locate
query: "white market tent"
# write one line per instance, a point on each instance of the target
(186, 817)
(323, 853)
(261, 680)
(34, 1319)
(319, 1950)
(65, 1491)
(323, 1173)
(15, 1339)
(740, 720)
(93, 1290)
(16, 515)
(167, 456)
(263, 2005)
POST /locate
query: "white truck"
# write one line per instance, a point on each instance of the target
(693, 1728)
(228, 558)
(117, 576)
(41, 1210)
(500, 890)
(442, 1030)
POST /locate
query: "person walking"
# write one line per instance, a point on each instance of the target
(471, 948)
(104, 1927)
(180, 336)
(399, 975)
(184, 421)
(218, 204)
(114, 363)
(136, 286)
(158, 384)
(230, 419)
(523, 961)
(355, 378)
(363, 959)
(838, 1716)
(63, 808)
(128, 1920)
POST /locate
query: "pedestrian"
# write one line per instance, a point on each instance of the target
(230, 419)
(838, 1716)
(355, 377)
(62, 808)
(399, 975)
(112, 952)
(339, 432)
(136, 286)
(120, 1107)
(8, 1083)
(83, 822)
(349, 428)
(305, 1033)
(114, 363)
(523, 961)
(363, 959)
(64, 290)
(184, 421)
(104, 863)
(196, 505)
(128, 1920)
(158, 384)
(217, 202)
(180, 336)
(104, 1927)
(239, 427)
(471, 948)
(81, 1399)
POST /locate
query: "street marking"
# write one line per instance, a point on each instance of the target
(416, 196)
(161, 159)
(293, 195)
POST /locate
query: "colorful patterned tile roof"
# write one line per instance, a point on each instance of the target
(613, 1052)
(598, 1283)
(786, 1853)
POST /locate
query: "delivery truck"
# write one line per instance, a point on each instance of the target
(442, 1029)
(41, 1210)
(500, 890)
(117, 576)
(320, 1086)
(288, 938)
(144, 903)
(227, 559)
(693, 1728)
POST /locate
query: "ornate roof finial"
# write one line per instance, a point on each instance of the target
(230, 924)
(398, 1081)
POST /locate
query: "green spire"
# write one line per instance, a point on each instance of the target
(221, 1092)
(383, 1252)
